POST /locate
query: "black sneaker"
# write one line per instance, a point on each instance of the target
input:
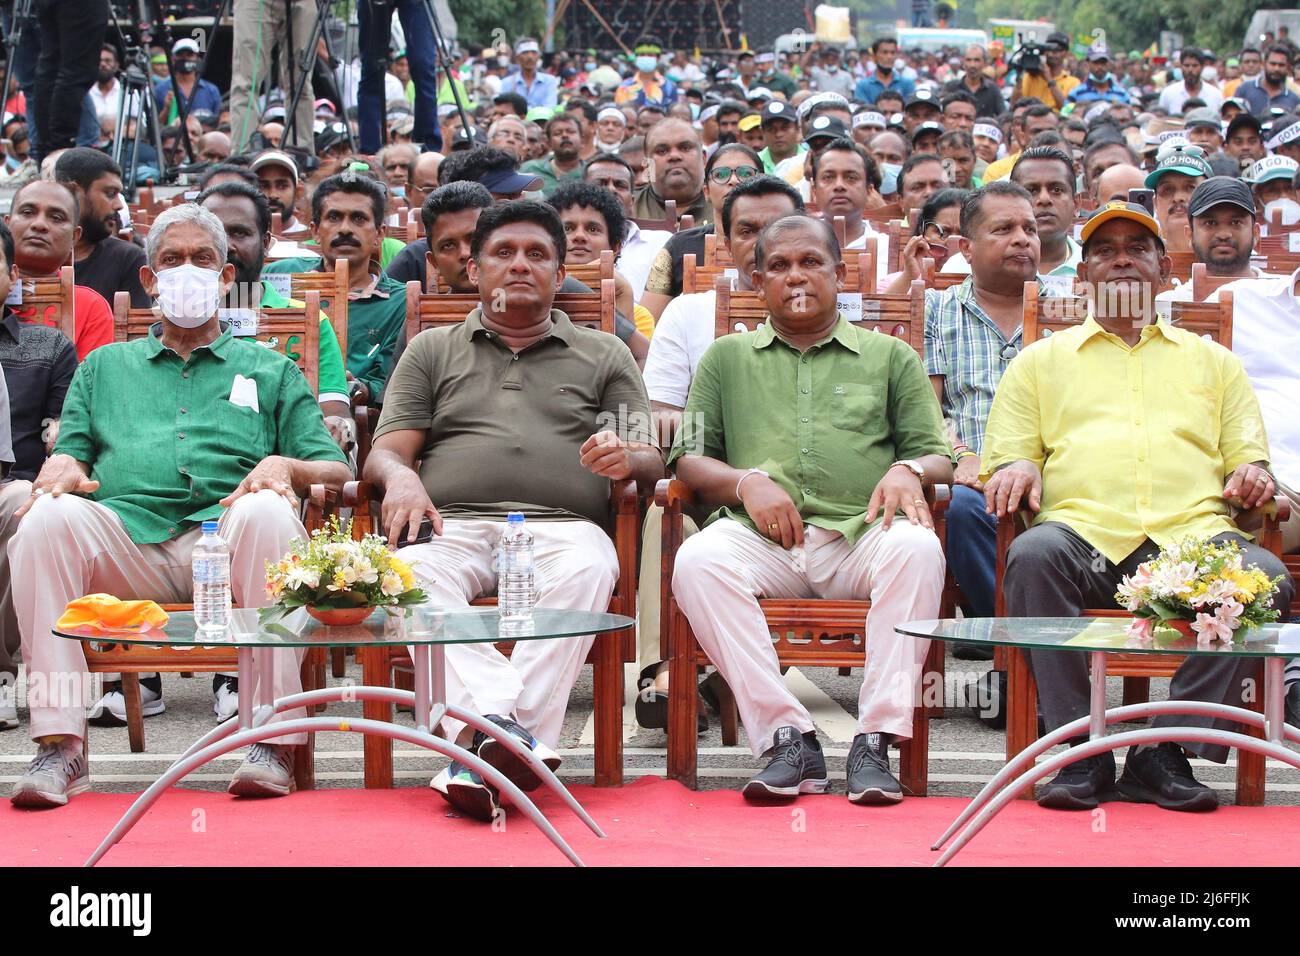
(652, 708)
(869, 777)
(797, 766)
(1082, 785)
(1293, 704)
(467, 792)
(516, 769)
(1162, 775)
(964, 651)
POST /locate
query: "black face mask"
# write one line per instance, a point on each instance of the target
(187, 66)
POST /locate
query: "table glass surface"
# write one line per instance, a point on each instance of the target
(424, 624)
(1102, 634)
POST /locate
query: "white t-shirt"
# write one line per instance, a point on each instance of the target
(1173, 96)
(682, 335)
(882, 249)
(640, 246)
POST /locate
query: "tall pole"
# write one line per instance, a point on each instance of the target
(550, 26)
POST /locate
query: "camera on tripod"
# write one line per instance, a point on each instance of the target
(1027, 58)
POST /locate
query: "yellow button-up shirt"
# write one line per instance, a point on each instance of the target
(1133, 443)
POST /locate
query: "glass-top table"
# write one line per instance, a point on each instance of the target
(1098, 637)
(425, 629)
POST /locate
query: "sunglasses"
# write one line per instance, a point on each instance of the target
(722, 174)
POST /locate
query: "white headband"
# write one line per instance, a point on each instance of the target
(869, 118)
(806, 106)
(528, 46)
(987, 131)
(1284, 137)
(614, 112)
(708, 113)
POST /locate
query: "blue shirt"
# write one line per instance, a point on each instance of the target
(870, 87)
(206, 96)
(1086, 92)
(543, 92)
(1259, 100)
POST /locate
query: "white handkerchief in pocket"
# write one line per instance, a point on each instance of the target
(244, 392)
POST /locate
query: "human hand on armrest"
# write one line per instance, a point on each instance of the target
(899, 488)
(968, 472)
(1016, 484)
(1249, 485)
(61, 474)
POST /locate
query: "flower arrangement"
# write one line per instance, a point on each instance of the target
(1201, 586)
(333, 572)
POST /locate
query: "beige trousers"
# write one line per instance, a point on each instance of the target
(722, 572)
(576, 568)
(70, 546)
(13, 494)
(259, 26)
(648, 648)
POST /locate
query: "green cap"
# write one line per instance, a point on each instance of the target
(539, 113)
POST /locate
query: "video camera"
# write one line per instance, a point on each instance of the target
(1027, 58)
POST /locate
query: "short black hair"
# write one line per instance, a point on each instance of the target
(961, 96)
(958, 139)
(243, 172)
(515, 101)
(472, 164)
(972, 209)
(891, 95)
(1193, 52)
(453, 197)
(512, 211)
(585, 107)
(82, 166)
(759, 186)
(613, 158)
(876, 43)
(1101, 144)
(736, 147)
(1034, 112)
(1049, 153)
(7, 243)
(561, 118)
(916, 159)
(943, 199)
(591, 196)
(732, 106)
(350, 182)
(76, 203)
(799, 220)
(842, 144)
(242, 191)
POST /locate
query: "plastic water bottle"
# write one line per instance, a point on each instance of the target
(211, 565)
(515, 571)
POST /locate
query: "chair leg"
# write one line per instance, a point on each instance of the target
(608, 697)
(304, 764)
(932, 680)
(729, 715)
(914, 755)
(1137, 690)
(1250, 766)
(683, 751)
(338, 662)
(376, 671)
(134, 712)
(1021, 709)
(845, 671)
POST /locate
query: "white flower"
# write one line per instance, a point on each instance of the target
(365, 571)
(348, 574)
(1174, 580)
(1140, 629)
(392, 584)
(1218, 591)
(300, 577)
(1209, 627)
(1229, 614)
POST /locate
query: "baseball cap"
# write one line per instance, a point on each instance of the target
(1118, 209)
(446, 109)
(185, 43)
(466, 137)
(273, 114)
(1270, 168)
(539, 113)
(759, 93)
(921, 97)
(507, 181)
(1098, 51)
(1283, 131)
(1057, 40)
(1221, 189)
(1202, 117)
(1179, 161)
(275, 157)
(325, 105)
(777, 110)
(929, 126)
(807, 105)
(1244, 118)
(749, 122)
(828, 127)
(403, 125)
(1236, 101)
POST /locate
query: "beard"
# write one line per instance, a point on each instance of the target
(725, 139)
(94, 230)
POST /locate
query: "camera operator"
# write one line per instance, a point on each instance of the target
(71, 34)
(259, 26)
(1046, 79)
(376, 21)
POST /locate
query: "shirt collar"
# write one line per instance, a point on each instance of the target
(218, 346)
(1092, 328)
(842, 333)
(561, 326)
(10, 322)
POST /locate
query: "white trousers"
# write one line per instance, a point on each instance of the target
(722, 572)
(69, 546)
(576, 568)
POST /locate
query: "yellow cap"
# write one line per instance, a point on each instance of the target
(1118, 209)
(749, 122)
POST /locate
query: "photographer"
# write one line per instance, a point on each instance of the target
(1041, 71)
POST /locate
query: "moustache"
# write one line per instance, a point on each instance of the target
(344, 240)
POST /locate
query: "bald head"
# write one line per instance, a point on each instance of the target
(425, 176)
(214, 147)
(1115, 183)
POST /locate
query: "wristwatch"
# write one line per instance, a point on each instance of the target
(913, 466)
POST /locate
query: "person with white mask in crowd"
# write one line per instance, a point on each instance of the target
(611, 129)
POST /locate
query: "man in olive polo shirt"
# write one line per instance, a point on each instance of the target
(347, 212)
(515, 409)
(809, 435)
(157, 436)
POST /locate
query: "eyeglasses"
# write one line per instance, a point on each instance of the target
(723, 174)
(934, 231)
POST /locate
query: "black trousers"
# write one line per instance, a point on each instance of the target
(72, 32)
(1053, 572)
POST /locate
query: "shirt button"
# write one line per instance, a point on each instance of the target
(183, 411)
(184, 470)
(171, 530)
(807, 491)
(804, 420)
(185, 374)
(804, 360)
(181, 436)
(804, 450)
(804, 390)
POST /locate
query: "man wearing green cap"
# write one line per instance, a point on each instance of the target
(648, 87)
(1175, 178)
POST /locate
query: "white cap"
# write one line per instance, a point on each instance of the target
(185, 43)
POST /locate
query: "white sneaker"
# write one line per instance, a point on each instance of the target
(225, 698)
(110, 710)
(58, 771)
(267, 771)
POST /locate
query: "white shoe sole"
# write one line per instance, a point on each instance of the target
(109, 718)
(40, 799)
(874, 796)
(758, 790)
(8, 723)
(254, 787)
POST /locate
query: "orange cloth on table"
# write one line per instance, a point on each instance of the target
(103, 612)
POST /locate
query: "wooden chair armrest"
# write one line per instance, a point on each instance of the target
(624, 497)
(669, 492)
(320, 504)
(357, 493)
(938, 497)
(1268, 517)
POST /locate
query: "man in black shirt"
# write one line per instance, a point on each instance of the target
(101, 260)
(37, 362)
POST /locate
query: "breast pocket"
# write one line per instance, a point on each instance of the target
(243, 431)
(856, 408)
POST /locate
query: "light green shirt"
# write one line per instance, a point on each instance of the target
(825, 424)
(331, 378)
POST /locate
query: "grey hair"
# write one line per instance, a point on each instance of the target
(186, 212)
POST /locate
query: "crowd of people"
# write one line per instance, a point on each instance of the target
(813, 443)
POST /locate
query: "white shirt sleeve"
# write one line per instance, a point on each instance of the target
(682, 334)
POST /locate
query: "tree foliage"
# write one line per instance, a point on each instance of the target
(488, 21)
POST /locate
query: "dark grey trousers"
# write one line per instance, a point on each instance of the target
(1053, 572)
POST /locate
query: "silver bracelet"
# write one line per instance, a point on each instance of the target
(751, 471)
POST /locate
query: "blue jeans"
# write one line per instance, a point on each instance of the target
(376, 23)
(972, 548)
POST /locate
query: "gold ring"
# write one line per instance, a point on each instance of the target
(773, 526)
(918, 501)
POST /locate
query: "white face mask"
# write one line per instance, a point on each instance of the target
(647, 64)
(188, 296)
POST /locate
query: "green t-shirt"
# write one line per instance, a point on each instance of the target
(388, 248)
(332, 380)
(167, 440)
(550, 179)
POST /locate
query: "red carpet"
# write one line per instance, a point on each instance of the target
(648, 823)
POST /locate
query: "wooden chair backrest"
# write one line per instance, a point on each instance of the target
(1211, 320)
(1276, 228)
(293, 332)
(899, 235)
(859, 275)
(881, 216)
(1183, 261)
(333, 293)
(1274, 245)
(670, 221)
(902, 316)
(1204, 285)
(414, 225)
(51, 301)
(1048, 314)
(934, 279)
(591, 273)
(716, 252)
(1282, 263)
(593, 310)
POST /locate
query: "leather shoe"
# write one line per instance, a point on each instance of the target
(652, 711)
(1162, 775)
(1082, 785)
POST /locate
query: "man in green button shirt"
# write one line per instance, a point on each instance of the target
(157, 436)
(564, 163)
(809, 435)
(347, 212)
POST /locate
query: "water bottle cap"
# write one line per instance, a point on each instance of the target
(209, 527)
(514, 516)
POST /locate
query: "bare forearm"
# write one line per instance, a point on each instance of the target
(713, 481)
(304, 474)
(383, 465)
(647, 465)
(938, 469)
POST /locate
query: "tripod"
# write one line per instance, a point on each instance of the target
(306, 66)
(137, 100)
(13, 36)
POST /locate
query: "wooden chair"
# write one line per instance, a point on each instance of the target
(592, 273)
(881, 216)
(333, 288)
(430, 310)
(716, 252)
(1204, 285)
(940, 280)
(51, 301)
(806, 633)
(607, 656)
(670, 221)
(1182, 265)
(414, 225)
(1282, 263)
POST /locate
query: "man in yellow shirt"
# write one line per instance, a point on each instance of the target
(1124, 436)
(1052, 84)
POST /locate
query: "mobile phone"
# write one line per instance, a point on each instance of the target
(422, 536)
(950, 171)
(1144, 198)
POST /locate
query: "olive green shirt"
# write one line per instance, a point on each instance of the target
(825, 424)
(168, 439)
(502, 430)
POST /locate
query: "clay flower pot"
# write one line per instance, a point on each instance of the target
(340, 616)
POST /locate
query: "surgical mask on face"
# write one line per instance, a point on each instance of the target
(589, 65)
(188, 295)
(647, 64)
(187, 66)
(503, 61)
(695, 111)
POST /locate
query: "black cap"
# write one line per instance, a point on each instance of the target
(929, 126)
(1056, 40)
(919, 97)
(1243, 119)
(1217, 190)
(778, 109)
(826, 127)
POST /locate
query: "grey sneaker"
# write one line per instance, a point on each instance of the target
(58, 771)
(869, 777)
(267, 771)
(796, 765)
